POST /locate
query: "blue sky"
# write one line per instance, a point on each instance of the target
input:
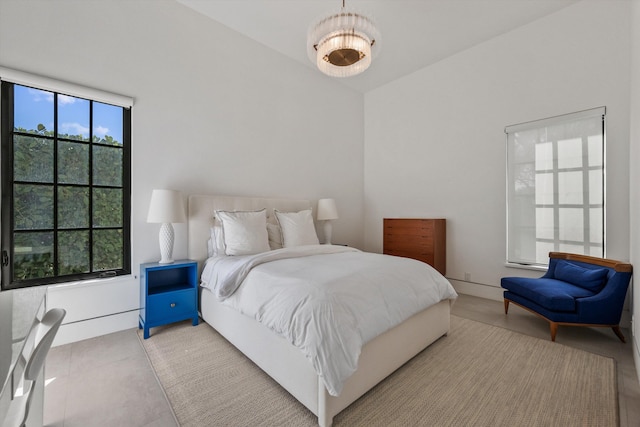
(34, 106)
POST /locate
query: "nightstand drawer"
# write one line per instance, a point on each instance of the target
(171, 304)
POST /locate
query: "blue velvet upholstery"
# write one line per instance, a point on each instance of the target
(588, 278)
(576, 289)
(552, 294)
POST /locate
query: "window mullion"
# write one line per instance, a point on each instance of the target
(56, 267)
(556, 197)
(586, 212)
(91, 254)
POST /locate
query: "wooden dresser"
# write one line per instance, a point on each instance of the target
(421, 239)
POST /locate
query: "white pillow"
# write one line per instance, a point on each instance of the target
(245, 232)
(217, 239)
(209, 248)
(275, 236)
(297, 228)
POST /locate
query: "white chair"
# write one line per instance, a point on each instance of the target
(37, 347)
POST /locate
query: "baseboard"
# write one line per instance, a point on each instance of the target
(625, 320)
(477, 289)
(636, 354)
(90, 328)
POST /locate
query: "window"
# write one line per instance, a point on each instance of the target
(555, 187)
(65, 187)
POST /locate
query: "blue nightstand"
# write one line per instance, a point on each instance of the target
(168, 294)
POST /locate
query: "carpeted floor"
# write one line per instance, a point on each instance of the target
(478, 375)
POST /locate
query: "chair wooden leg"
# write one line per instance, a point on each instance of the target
(506, 306)
(553, 326)
(618, 332)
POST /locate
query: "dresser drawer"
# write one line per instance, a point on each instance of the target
(171, 304)
(407, 241)
(408, 228)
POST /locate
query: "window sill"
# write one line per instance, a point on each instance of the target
(92, 282)
(542, 268)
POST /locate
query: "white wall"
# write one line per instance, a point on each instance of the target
(634, 160)
(214, 112)
(435, 142)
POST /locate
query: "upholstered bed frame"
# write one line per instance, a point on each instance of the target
(282, 361)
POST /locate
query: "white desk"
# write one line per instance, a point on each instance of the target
(18, 309)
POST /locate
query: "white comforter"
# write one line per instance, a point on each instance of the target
(326, 300)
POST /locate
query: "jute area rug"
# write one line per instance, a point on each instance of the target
(477, 375)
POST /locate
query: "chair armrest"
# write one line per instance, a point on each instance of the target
(606, 306)
(549, 274)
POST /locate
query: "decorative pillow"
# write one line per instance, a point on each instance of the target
(587, 278)
(209, 248)
(275, 236)
(245, 232)
(217, 239)
(297, 228)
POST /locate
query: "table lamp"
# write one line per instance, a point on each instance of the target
(326, 212)
(166, 207)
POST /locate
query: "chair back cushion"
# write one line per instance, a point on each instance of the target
(592, 279)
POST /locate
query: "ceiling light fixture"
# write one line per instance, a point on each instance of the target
(343, 44)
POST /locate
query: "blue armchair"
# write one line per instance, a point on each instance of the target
(576, 290)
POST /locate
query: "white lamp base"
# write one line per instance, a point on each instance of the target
(165, 238)
(327, 232)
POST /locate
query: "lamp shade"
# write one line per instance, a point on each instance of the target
(166, 206)
(327, 209)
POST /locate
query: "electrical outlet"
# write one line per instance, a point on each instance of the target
(467, 277)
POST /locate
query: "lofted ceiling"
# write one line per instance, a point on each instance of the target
(415, 33)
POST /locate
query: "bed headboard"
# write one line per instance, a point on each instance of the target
(202, 207)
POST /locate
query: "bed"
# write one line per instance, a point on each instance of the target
(281, 360)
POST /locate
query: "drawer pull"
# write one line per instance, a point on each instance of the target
(173, 304)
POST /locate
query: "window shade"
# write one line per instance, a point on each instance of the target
(46, 83)
(555, 187)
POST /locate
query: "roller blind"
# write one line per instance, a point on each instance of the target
(46, 83)
(556, 187)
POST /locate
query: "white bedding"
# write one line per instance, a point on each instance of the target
(326, 300)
